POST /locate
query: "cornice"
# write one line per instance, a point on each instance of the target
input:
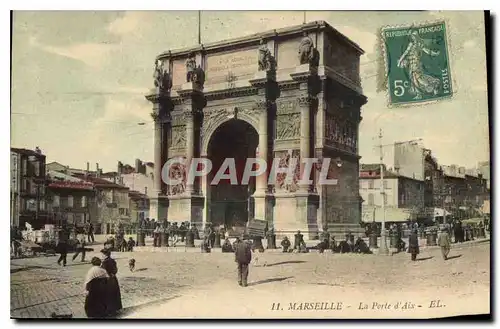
(253, 40)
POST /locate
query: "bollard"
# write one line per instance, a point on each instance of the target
(271, 241)
(431, 238)
(217, 240)
(190, 239)
(393, 242)
(141, 237)
(163, 239)
(373, 240)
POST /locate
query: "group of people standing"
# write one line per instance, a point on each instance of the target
(103, 296)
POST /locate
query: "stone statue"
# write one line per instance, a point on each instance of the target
(198, 76)
(190, 67)
(307, 52)
(161, 77)
(265, 57)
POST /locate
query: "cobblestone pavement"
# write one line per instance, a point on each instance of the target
(186, 285)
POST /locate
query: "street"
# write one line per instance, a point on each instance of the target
(187, 285)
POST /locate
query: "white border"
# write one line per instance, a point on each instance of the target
(212, 5)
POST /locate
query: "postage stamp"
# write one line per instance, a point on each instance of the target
(417, 63)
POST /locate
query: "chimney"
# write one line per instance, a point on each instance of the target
(146, 190)
(120, 167)
(138, 164)
(97, 172)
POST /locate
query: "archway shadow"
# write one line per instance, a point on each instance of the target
(131, 309)
(269, 280)
(425, 258)
(456, 256)
(287, 262)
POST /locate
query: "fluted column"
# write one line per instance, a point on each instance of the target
(158, 137)
(305, 140)
(190, 140)
(261, 180)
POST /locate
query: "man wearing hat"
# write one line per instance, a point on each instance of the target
(444, 241)
(243, 257)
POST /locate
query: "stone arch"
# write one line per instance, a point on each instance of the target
(221, 117)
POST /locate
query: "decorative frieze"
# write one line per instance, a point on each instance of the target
(287, 107)
(340, 133)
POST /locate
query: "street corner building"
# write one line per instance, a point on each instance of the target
(288, 93)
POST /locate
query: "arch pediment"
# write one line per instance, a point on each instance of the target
(215, 117)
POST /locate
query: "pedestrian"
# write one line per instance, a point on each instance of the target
(156, 236)
(113, 298)
(285, 244)
(130, 244)
(96, 285)
(62, 248)
(444, 241)
(80, 248)
(299, 238)
(413, 248)
(90, 232)
(243, 257)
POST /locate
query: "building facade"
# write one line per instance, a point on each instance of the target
(288, 93)
(28, 186)
(69, 200)
(404, 196)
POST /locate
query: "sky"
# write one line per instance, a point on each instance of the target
(79, 80)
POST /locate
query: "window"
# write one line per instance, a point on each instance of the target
(70, 201)
(33, 188)
(122, 211)
(371, 199)
(36, 168)
(57, 201)
(385, 185)
(371, 184)
(25, 166)
(84, 201)
(42, 205)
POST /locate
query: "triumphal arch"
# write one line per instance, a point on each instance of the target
(292, 93)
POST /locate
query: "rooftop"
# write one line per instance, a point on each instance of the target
(99, 182)
(254, 39)
(26, 152)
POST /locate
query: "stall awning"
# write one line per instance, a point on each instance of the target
(371, 214)
(440, 212)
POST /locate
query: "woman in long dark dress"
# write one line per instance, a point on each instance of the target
(413, 245)
(114, 298)
(96, 284)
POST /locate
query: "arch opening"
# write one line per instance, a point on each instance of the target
(230, 204)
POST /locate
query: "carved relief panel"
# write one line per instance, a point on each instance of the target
(341, 133)
(178, 137)
(288, 126)
(178, 172)
(282, 183)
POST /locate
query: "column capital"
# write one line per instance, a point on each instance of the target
(306, 100)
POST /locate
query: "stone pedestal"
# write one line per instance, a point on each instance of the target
(188, 208)
(159, 207)
(296, 212)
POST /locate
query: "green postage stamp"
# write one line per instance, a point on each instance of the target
(417, 63)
